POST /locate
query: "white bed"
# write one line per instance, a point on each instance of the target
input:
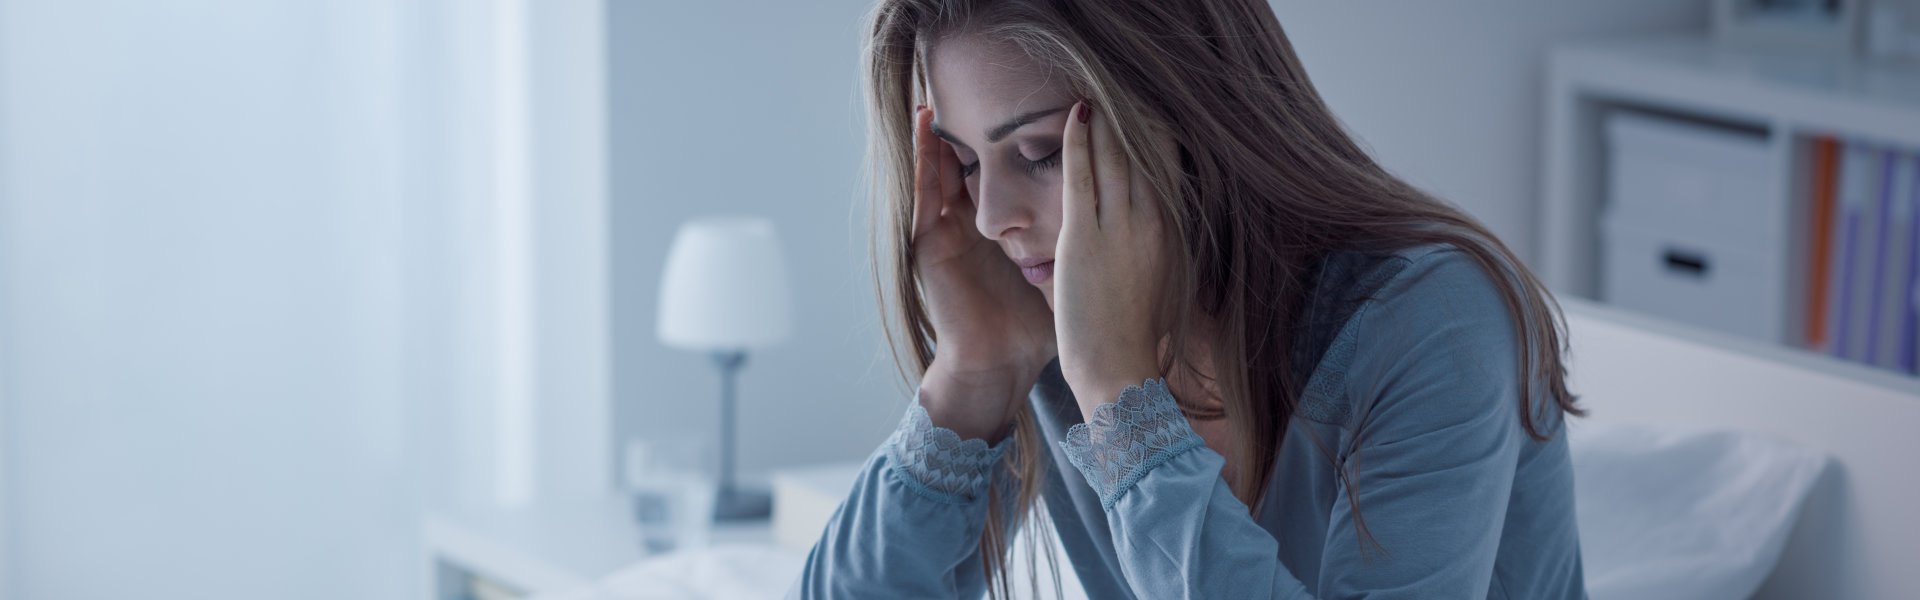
(1858, 536)
(1710, 466)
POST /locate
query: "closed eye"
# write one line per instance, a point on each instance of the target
(1046, 162)
(1031, 166)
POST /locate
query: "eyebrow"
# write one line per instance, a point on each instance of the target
(1004, 129)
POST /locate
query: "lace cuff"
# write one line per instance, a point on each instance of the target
(1127, 439)
(937, 464)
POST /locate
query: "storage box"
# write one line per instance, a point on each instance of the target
(1693, 226)
(1701, 281)
(1687, 177)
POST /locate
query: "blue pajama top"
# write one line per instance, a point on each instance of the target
(1413, 389)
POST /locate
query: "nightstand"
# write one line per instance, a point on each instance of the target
(550, 549)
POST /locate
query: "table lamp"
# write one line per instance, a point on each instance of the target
(724, 292)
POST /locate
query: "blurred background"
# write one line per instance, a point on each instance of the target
(363, 298)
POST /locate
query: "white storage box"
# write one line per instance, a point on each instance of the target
(1694, 228)
(1688, 177)
(1700, 281)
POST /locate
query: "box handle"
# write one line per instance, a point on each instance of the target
(1692, 264)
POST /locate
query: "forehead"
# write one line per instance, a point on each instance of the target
(974, 83)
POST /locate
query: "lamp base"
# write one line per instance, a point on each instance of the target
(739, 504)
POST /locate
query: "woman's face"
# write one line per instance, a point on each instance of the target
(1003, 115)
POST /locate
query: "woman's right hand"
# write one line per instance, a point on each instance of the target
(994, 330)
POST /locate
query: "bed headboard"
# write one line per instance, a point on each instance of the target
(1859, 534)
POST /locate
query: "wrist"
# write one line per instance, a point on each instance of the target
(1092, 389)
(974, 402)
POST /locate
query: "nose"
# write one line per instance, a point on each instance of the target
(1002, 207)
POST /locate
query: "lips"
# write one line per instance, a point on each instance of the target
(1039, 272)
(1037, 269)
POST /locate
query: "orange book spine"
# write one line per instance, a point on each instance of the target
(1826, 155)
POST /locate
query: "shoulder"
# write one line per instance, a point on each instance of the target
(1349, 283)
(1416, 318)
(1355, 292)
(1434, 290)
(1439, 279)
(1438, 339)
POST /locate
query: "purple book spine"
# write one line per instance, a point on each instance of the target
(1880, 258)
(1910, 313)
(1845, 297)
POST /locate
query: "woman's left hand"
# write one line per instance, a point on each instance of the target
(1108, 266)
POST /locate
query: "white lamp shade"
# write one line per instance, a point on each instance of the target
(725, 286)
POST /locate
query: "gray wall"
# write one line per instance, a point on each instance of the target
(1447, 94)
(719, 108)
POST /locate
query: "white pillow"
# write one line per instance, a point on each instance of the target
(1667, 513)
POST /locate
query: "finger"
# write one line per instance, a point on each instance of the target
(953, 187)
(1142, 194)
(926, 173)
(1079, 200)
(1111, 172)
(959, 206)
(963, 211)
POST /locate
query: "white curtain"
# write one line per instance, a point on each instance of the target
(252, 298)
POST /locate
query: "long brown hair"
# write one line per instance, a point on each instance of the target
(1261, 182)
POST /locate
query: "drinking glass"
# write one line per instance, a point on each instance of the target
(670, 479)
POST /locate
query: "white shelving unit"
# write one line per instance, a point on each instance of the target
(1785, 96)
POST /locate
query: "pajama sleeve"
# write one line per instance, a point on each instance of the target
(911, 526)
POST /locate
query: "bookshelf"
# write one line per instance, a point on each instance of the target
(1788, 98)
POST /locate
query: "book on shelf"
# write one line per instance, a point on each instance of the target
(1826, 159)
(1873, 262)
(1890, 295)
(1855, 174)
(1907, 350)
(1863, 261)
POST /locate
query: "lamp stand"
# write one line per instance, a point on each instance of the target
(730, 501)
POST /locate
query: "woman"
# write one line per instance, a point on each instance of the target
(1148, 283)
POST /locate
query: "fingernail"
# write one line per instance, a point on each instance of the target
(1086, 112)
(919, 107)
